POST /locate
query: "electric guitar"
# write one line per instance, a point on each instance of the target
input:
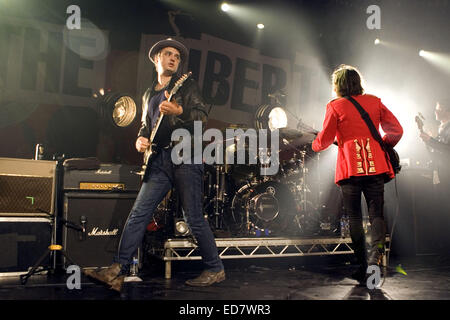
(150, 152)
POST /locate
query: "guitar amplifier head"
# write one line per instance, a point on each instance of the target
(108, 177)
(27, 187)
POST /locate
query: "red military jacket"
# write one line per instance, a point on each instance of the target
(359, 154)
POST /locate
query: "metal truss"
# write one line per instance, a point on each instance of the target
(242, 248)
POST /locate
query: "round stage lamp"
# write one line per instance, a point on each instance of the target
(181, 228)
(120, 109)
(270, 117)
(124, 111)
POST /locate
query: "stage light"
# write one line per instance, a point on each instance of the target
(181, 228)
(260, 26)
(116, 108)
(270, 117)
(225, 7)
(377, 41)
(440, 60)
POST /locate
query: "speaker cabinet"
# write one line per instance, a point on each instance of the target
(22, 242)
(103, 216)
(27, 187)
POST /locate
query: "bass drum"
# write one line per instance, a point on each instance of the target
(266, 207)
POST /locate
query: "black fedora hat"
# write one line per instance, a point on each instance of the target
(169, 42)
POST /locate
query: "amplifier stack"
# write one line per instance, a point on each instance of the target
(81, 204)
(97, 198)
(27, 207)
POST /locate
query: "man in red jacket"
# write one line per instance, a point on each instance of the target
(361, 165)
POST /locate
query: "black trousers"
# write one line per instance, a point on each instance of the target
(373, 189)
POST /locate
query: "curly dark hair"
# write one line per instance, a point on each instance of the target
(347, 80)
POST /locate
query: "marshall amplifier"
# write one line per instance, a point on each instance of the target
(116, 177)
(27, 187)
(102, 217)
(22, 242)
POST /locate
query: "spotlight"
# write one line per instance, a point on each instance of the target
(260, 26)
(116, 108)
(377, 41)
(441, 60)
(269, 117)
(225, 7)
(181, 228)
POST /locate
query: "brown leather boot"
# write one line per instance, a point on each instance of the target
(105, 275)
(207, 278)
(376, 257)
(117, 283)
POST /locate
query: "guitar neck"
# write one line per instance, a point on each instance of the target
(158, 122)
(177, 85)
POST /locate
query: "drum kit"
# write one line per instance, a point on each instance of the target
(243, 202)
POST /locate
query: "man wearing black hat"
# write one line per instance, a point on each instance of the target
(185, 107)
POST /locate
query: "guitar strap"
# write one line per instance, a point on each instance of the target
(368, 121)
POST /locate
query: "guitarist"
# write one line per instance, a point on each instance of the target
(187, 106)
(439, 148)
(440, 145)
(361, 163)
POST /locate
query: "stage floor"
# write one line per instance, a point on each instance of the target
(293, 278)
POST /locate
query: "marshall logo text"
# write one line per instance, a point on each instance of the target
(98, 232)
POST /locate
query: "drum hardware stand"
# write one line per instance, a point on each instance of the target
(219, 196)
(247, 217)
(304, 187)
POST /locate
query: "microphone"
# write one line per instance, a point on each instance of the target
(83, 221)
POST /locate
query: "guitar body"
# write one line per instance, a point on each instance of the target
(161, 138)
(149, 154)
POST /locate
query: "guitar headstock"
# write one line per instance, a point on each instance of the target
(419, 120)
(179, 82)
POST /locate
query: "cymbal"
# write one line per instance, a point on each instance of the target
(296, 137)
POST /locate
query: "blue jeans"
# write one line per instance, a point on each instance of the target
(188, 181)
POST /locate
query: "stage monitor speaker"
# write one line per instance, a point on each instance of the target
(27, 187)
(103, 216)
(22, 242)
